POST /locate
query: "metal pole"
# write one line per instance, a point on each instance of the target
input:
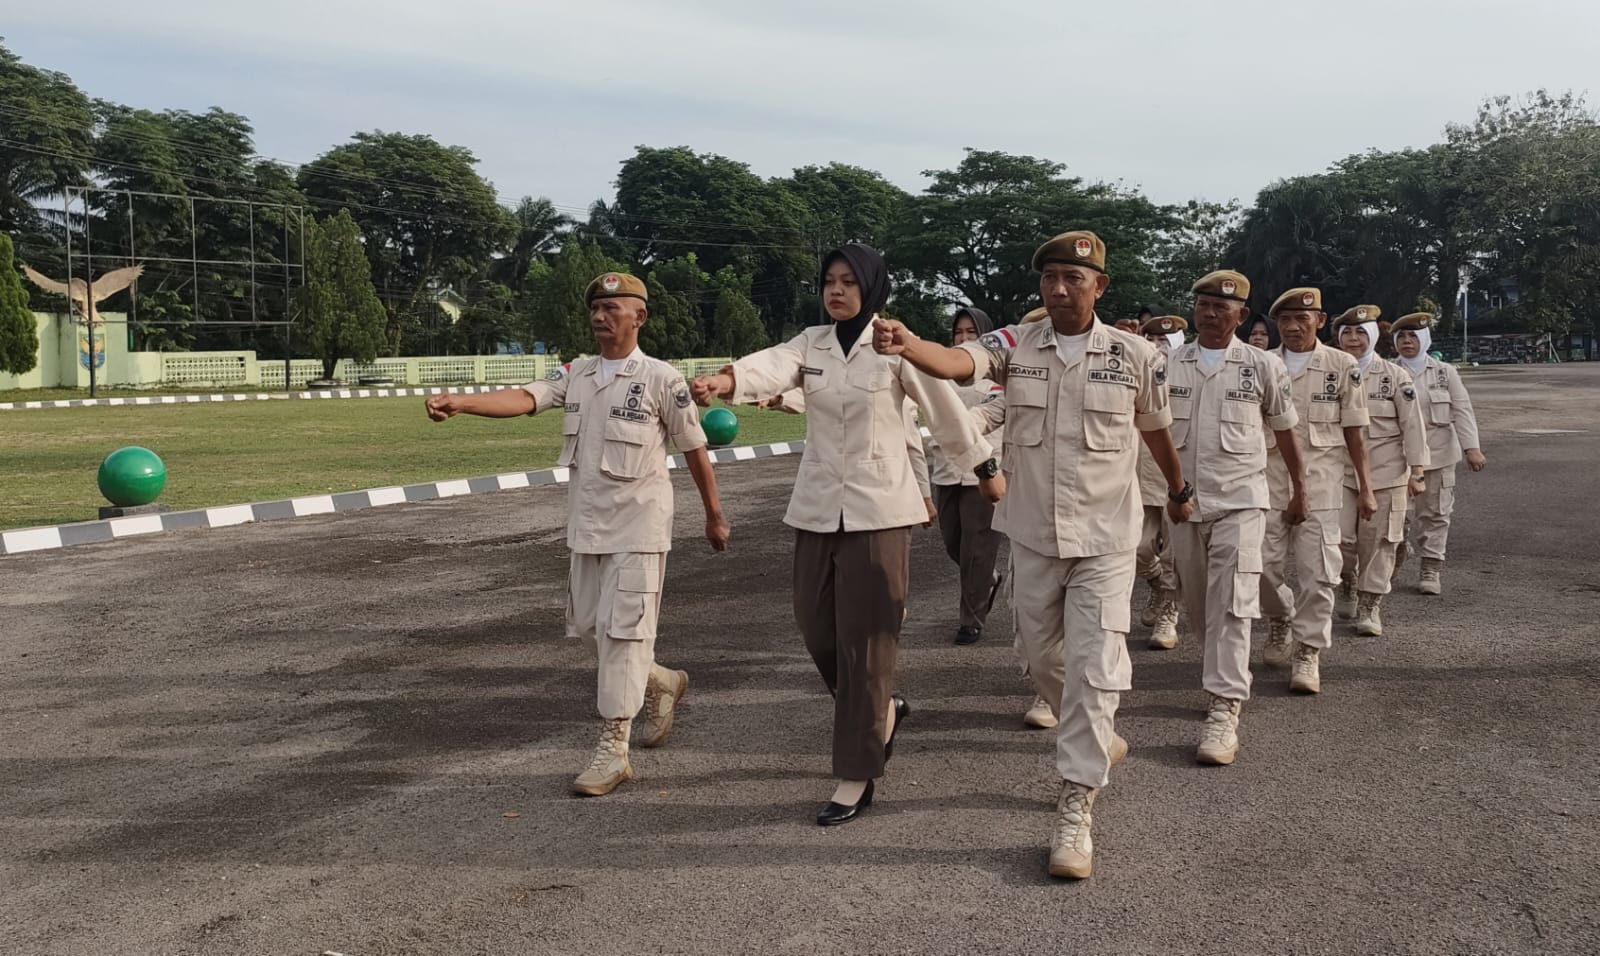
(1466, 311)
(88, 289)
(288, 307)
(253, 316)
(66, 222)
(133, 290)
(194, 256)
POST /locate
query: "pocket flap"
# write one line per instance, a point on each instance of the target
(1249, 561)
(570, 422)
(632, 433)
(638, 580)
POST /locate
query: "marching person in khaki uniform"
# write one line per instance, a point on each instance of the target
(855, 501)
(1332, 411)
(1154, 554)
(965, 515)
(1078, 395)
(1452, 435)
(1225, 395)
(1397, 455)
(619, 411)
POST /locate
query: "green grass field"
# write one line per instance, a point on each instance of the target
(260, 451)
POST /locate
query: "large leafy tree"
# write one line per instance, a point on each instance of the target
(559, 315)
(341, 316)
(845, 204)
(429, 219)
(971, 236)
(46, 132)
(19, 332)
(538, 230)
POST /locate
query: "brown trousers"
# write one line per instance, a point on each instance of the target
(849, 599)
(964, 519)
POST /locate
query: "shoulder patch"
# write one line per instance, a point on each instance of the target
(992, 340)
(1355, 376)
(681, 398)
(555, 375)
(1410, 393)
(1161, 374)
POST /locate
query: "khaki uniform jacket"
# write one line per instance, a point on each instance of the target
(619, 496)
(856, 471)
(1071, 434)
(1328, 398)
(1397, 440)
(940, 470)
(1447, 413)
(1219, 423)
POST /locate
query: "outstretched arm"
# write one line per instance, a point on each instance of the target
(890, 337)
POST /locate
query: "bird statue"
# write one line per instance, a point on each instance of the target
(104, 288)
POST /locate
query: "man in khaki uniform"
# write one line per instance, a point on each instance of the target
(1397, 455)
(1452, 435)
(1079, 394)
(1332, 410)
(1223, 391)
(619, 411)
(1154, 554)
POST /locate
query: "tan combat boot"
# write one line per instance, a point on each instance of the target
(1276, 653)
(1430, 582)
(1164, 636)
(1071, 850)
(1303, 676)
(609, 766)
(1220, 742)
(1152, 607)
(1344, 599)
(1369, 622)
(662, 691)
(1039, 715)
(1118, 750)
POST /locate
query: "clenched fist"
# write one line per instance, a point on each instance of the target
(890, 337)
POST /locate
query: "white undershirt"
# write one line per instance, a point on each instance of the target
(1297, 361)
(1071, 348)
(609, 369)
(1211, 358)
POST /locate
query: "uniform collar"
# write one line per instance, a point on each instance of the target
(1044, 334)
(629, 364)
(826, 338)
(1191, 353)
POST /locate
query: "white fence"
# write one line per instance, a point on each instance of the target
(226, 369)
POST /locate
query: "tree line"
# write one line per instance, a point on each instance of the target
(1510, 200)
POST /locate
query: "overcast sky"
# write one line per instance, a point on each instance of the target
(1183, 98)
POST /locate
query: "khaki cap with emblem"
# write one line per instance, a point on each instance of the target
(1357, 314)
(1224, 284)
(1303, 299)
(1163, 325)
(1412, 322)
(615, 285)
(1079, 248)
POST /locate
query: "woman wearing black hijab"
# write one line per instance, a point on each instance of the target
(855, 501)
(964, 513)
(1259, 331)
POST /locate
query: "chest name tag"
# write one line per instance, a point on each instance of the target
(1114, 378)
(1180, 391)
(1234, 395)
(1027, 371)
(808, 370)
(629, 415)
(570, 407)
(1324, 397)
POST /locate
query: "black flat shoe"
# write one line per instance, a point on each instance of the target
(966, 634)
(902, 710)
(834, 814)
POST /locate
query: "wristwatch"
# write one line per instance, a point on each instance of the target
(1182, 496)
(988, 469)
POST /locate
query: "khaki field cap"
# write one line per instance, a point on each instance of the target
(1298, 300)
(1357, 314)
(1412, 322)
(1163, 324)
(615, 285)
(1081, 248)
(1224, 284)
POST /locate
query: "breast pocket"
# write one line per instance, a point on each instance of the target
(1107, 417)
(1026, 401)
(1182, 415)
(570, 421)
(627, 446)
(1241, 428)
(1439, 410)
(1323, 426)
(1384, 423)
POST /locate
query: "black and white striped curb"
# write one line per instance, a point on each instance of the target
(97, 532)
(251, 397)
